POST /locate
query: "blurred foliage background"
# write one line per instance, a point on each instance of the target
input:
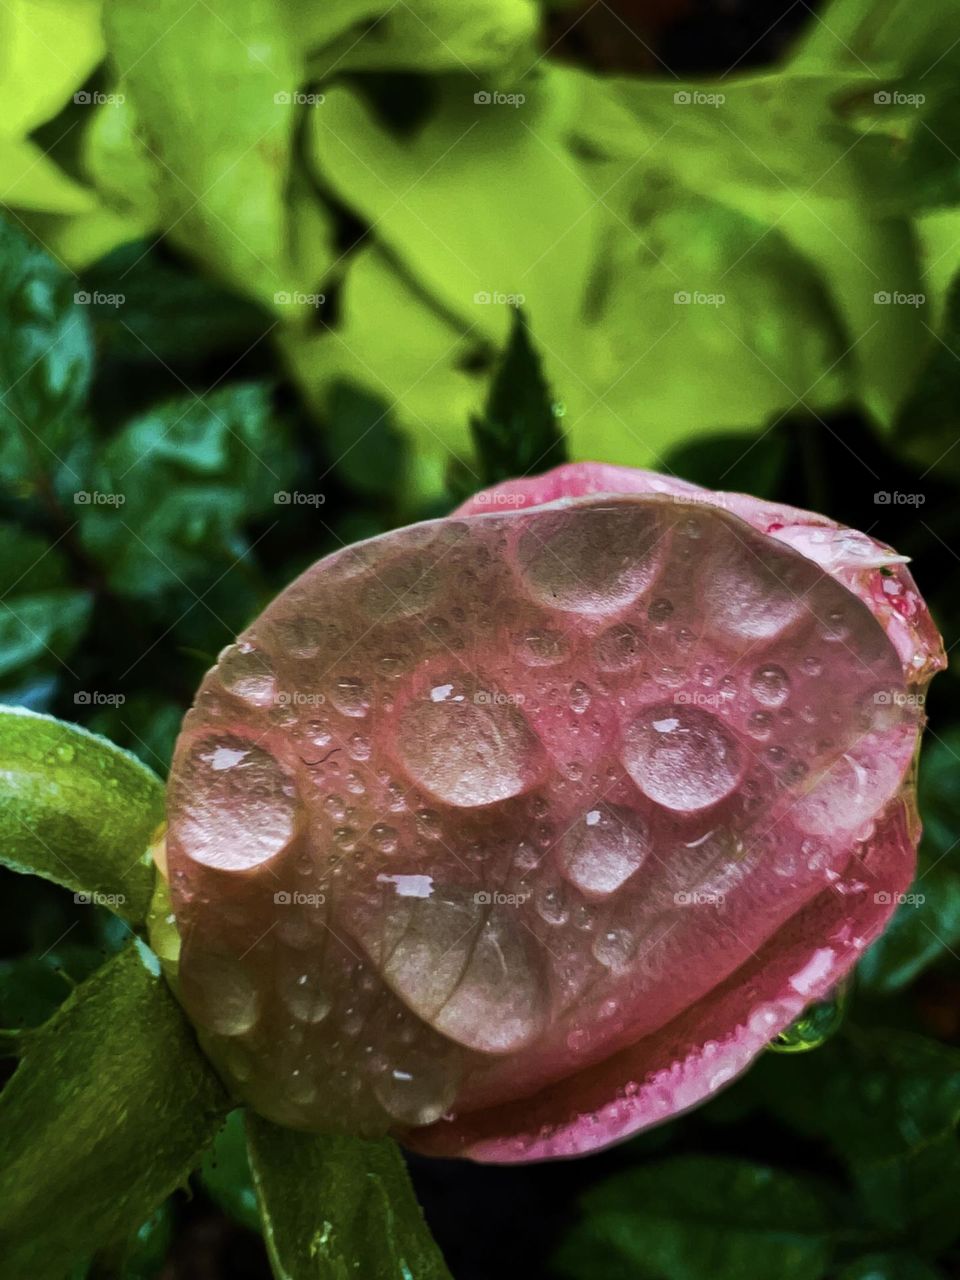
(260, 263)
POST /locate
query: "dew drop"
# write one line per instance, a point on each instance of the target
(770, 685)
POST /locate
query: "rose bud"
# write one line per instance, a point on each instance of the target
(516, 832)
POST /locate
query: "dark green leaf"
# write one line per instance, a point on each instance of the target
(913, 1197)
(42, 618)
(739, 463)
(692, 1217)
(168, 313)
(177, 485)
(888, 1102)
(76, 809)
(874, 1094)
(225, 1174)
(519, 432)
(32, 988)
(363, 443)
(890, 1266)
(335, 1208)
(45, 359)
(927, 926)
(927, 426)
(110, 1108)
(142, 1254)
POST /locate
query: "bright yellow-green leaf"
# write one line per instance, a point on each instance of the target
(214, 86)
(47, 50)
(30, 180)
(428, 35)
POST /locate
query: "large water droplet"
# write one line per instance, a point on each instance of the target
(751, 592)
(219, 992)
(417, 1092)
(593, 559)
(247, 674)
(233, 805)
(465, 751)
(681, 757)
(603, 849)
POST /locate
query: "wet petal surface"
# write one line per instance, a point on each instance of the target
(487, 802)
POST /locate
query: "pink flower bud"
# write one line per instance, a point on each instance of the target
(519, 831)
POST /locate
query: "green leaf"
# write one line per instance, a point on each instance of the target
(503, 217)
(45, 360)
(32, 988)
(42, 618)
(425, 35)
(888, 1102)
(890, 1266)
(76, 809)
(29, 180)
(738, 463)
(118, 163)
(168, 314)
(364, 443)
(180, 482)
(779, 151)
(225, 151)
(111, 1106)
(430, 378)
(926, 927)
(225, 1173)
(927, 425)
(335, 1207)
(874, 1094)
(931, 169)
(694, 1216)
(875, 35)
(46, 51)
(142, 1254)
(913, 1197)
(518, 433)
